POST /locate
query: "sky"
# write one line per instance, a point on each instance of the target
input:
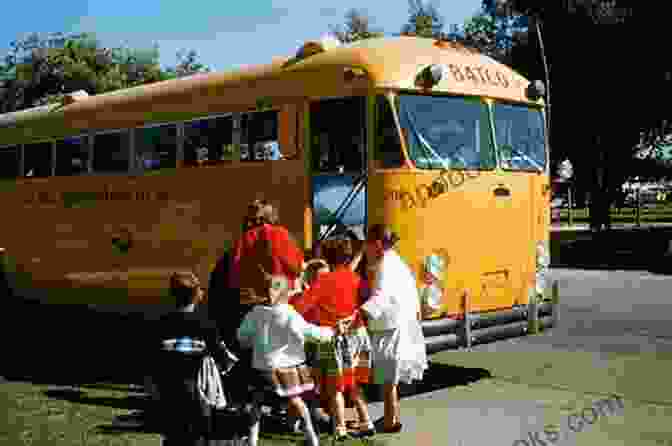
(226, 34)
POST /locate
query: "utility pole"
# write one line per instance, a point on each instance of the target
(537, 23)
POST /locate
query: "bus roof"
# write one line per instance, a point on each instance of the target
(389, 62)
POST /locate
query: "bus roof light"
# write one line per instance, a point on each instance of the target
(352, 73)
(429, 76)
(313, 47)
(535, 90)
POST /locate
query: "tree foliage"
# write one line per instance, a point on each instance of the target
(187, 65)
(424, 20)
(40, 69)
(356, 27)
(495, 36)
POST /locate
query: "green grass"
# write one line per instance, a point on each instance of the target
(32, 418)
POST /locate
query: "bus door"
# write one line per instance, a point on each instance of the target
(338, 163)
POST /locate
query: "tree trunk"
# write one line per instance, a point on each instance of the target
(600, 197)
(600, 203)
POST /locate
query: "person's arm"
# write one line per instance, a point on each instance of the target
(288, 251)
(217, 347)
(418, 308)
(308, 331)
(377, 303)
(246, 331)
(354, 264)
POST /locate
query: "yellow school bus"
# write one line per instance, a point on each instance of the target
(103, 196)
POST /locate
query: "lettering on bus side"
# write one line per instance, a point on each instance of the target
(424, 194)
(70, 199)
(479, 75)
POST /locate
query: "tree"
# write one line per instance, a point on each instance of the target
(357, 27)
(424, 20)
(41, 69)
(596, 84)
(187, 65)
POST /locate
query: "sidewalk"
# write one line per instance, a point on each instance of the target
(531, 392)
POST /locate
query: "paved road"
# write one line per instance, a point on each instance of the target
(608, 311)
(614, 337)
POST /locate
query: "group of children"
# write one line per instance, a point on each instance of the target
(305, 324)
(291, 317)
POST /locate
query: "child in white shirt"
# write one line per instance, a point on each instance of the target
(276, 332)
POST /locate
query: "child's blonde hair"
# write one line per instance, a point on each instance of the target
(313, 268)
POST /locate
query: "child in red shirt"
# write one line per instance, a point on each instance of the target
(335, 296)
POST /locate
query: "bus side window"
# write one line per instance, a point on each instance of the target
(388, 150)
(111, 152)
(156, 147)
(37, 162)
(207, 140)
(9, 162)
(71, 156)
(260, 141)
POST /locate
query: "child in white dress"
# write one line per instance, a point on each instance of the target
(393, 310)
(277, 333)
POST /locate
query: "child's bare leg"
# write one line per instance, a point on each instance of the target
(292, 416)
(337, 404)
(309, 431)
(361, 407)
(320, 402)
(291, 412)
(391, 404)
(314, 402)
(325, 402)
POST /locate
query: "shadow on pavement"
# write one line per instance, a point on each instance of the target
(437, 376)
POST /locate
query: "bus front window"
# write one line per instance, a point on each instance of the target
(519, 132)
(446, 132)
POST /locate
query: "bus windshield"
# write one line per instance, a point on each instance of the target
(519, 132)
(446, 132)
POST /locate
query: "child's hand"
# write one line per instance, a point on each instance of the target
(343, 325)
(339, 329)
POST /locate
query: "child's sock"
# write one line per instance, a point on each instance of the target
(309, 429)
(253, 438)
(340, 431)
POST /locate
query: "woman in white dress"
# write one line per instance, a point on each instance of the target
(393, 311)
